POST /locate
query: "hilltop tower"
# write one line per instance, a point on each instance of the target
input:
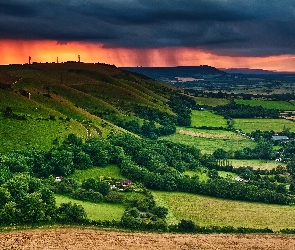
(30, 59)
(78, 58)
(56, 59)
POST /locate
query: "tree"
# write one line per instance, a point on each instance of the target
(82, 160)
(220, 153)
(98, 150)
(71, 213)
(160, 212)
(187, 226)
(62, 161)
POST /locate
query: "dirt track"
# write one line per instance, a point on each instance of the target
(92, 239)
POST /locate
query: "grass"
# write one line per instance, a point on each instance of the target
(281, 105)
(209, 145)
(96, 211)
(207, 118)
(205, 211)
(38, 130)
(249, 125)
(96, 172)
(255, 164)
(202, 176)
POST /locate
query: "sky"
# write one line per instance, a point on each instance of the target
(220, 33)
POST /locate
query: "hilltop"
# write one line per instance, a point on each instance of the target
(42, 103)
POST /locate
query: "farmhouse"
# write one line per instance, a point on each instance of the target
(240, 179)
(124, 183)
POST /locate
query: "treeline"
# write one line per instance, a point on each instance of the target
(158, 123)
(234, 110)
(156, 164)
(153, 170)
(244, 96)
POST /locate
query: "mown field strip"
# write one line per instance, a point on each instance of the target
(205, 211)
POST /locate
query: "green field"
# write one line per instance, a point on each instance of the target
(255, 164)
(209, 145)
(205, 211)
(249, 125)
(204, 177)
(97, 172)
(281, 105)
(213, 102)
(207, 118)
(96, 211)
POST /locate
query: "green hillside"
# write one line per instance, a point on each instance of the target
(90, 100)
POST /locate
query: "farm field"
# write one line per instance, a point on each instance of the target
(207, 118)
(85, 239)
(249, 125)
(213, 102)
(282, 105)
(209, 145)
(97, 172)
(255, 164)
(96, 211)
(213, 134)
(206, 211)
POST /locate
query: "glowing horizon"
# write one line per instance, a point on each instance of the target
(18, 52)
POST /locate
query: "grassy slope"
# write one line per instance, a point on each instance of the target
(76, 91)
(97, 172)
(213, 211)
(38, 130)
(207, 118)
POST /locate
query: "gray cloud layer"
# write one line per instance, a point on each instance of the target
(234, 27)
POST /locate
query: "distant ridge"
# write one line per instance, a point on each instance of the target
(253, 71)
(178, 71)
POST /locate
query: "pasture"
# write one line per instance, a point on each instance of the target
(209, 145)
(205, 211)
(281, 105)
(97, 172)
(255, 164)
(207, 118)
(96, 211)
(249, 125)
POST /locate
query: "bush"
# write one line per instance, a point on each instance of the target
(114, 197)
(71, 213)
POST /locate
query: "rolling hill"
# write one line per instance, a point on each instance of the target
(41, 104)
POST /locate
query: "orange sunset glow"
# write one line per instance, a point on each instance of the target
(18, 51)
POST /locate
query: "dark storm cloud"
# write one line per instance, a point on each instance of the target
(234, 27)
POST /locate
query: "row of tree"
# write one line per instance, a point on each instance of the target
(234, 110)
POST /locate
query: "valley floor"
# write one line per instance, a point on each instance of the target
(95, 239)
